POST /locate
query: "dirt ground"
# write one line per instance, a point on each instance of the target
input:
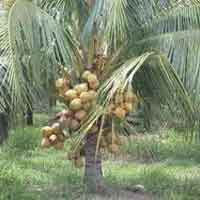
(119, 195)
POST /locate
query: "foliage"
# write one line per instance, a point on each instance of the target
(23, 140)
(31, 40)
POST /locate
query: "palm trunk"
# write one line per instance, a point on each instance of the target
(3, 127)
(52, 101)
(93, 165)
(29, 117)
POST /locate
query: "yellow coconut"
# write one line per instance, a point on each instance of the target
(59, 83)
(113, 148)
(87, 106)
(128, 106)
(75, 104)
(120, 112)
(47, 131)
(94, 85)
(74, 124)
(85, 97)
(93, 94)
(53, 138)
(111, 108)
(130, 96)
(45, 143)
(70, 95)
(80, 115)
(56, 128)
(83, 87)
(65, 89)
(59, 145)
(92, 78)
(66, 81)
(62, 91)
(79, 163)
(119, 98)
(85, 75)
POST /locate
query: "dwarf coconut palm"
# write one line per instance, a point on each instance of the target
(114, 54)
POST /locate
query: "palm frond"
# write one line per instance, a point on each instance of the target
(94, 22)
(68, 13)
(152, 76)
(34, 44)
(176, 33)
(117, 25)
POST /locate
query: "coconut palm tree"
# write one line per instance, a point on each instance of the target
(125, 42)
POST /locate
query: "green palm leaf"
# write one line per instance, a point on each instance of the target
(160, 83)
(34, 44)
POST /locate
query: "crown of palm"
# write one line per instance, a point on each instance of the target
(36, 37)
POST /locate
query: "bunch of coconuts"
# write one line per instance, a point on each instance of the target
(62, 85)
(79, 98)
(53, 136)
(123, 103)
(110, 142)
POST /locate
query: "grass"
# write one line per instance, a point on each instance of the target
(171, 145)
(166, 166)
(37, 175)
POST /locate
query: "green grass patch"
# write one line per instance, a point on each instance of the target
(164, 181)
(23, 140)
(170, 146)
(28, 172)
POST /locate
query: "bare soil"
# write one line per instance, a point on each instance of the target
(119, 195)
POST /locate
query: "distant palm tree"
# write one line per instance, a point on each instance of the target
(133, 36)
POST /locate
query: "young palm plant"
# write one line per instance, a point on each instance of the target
(116, 49)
